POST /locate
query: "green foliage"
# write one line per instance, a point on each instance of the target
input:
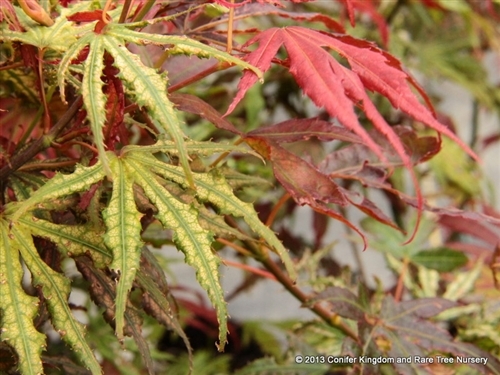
(132, 163)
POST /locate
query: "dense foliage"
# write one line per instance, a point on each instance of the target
(204, 125)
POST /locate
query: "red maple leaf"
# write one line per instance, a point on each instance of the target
(338, 89)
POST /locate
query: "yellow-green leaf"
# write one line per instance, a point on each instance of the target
(94, 99)
(59, 186)
(123, 236)
(194, 241)
(212, 187)
(72, 240)
(17, 309)
(150, 90)
(56, 288)
(180, 45)
(69, 56)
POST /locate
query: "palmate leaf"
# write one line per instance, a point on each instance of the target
(178, 208)
(56, 289)
(144, 84)
(403, 323)
(123, 236)
(336, 88)
(190, 237)
(149, 89)
(57, 37)
(59, 186)
(72, 240)
(179, 45)
(18, 309)
(212, 187)
(94, 99)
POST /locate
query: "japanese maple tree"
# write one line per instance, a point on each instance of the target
(203, 125)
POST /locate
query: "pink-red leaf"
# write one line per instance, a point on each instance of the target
(357, 158)
(349, 4)
(331, 85)
(368, 207)
(303, 181)
(336, 88)
(300, 178)
(302, 129)
(193, 104)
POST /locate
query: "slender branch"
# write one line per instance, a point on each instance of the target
(232, 245)
(44, 166)
(246, 267)
(214, 68)
(40, 144)
(125, 10)
(12, 66)
(276, 208)
(225, 154)
(144, 10)
(331, 318)
(475, 123)
(262, 256)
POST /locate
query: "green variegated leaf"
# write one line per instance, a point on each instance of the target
(94, 99)
(150, 90)
(216, 224)
(238, 180)
(17, 309)
(212, 187)
(71, 240)
(69, 56)
(123, 236)
(181, 45)
(57, 37)
(194, 241)
(192, 147)
(22, 184)
(61, 185)
(56, 288)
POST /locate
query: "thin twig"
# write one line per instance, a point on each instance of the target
(125, 11)
(250, 269)
(276, 208)
(232, 245)
(144, 10)
(212, 69)
(330, 318)
(225, 154)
